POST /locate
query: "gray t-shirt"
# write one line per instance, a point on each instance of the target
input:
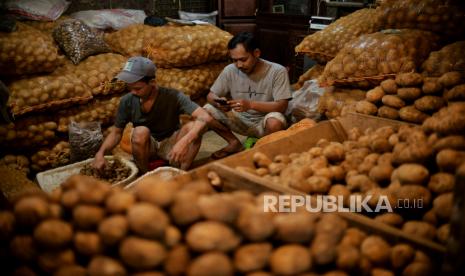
(272, 86)
(162, 119)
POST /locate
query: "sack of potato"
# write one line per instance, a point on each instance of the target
(57, 156)
(46, 92)
(131, 40)
(78, 41)
(27, 133)
(193, 81)
(46, 26)
(16, 162)
(311, 74)
(333, 102)
(440, 16)
(99, 110)
(449, 58)
(368, 59)
(181, 46)
(27, 51)
(324, 45)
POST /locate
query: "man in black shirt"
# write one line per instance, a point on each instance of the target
(154, 112)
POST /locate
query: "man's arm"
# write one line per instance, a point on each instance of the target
(264, 107)
(108, 144)
(211, 99)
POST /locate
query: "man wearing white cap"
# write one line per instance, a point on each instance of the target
(154, 112)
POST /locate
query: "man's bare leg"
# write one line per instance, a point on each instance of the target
(234, 145)
(273, 125)
(193, 147)
(140, 141)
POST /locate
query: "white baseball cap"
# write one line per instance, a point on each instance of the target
(136, 68)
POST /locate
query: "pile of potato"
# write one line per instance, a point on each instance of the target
(14, 184)
(192, 81)
(55, 157)
(440, 16)
(16, 162)
(413, 163)
(115, 171)
(46, 26)
(310, 74)
(45, 92)
(27, 133)
(27, 51)
(337, 102)
(162, 228)
(100, 110)
(181, 46)
(324, 45)
(371, 58)
(413, 98)
(449, 58)
(130, 41)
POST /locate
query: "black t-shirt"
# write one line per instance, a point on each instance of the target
(162, 119)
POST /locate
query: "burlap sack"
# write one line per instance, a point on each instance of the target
(449, 58)
(130, 41)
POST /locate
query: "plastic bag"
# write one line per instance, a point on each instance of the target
(45, 10)
(85, 139)
(448, 59)
(304, 102)
(115, 19)
(205, 17)
(78, 40)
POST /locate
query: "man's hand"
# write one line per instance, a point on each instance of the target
(99, 162)
(239, 105)
(223, 107)
(178, 152)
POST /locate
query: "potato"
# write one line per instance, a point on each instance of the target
(409, 93)
(411, 173)
(88, 243)
(152, 190)
(457, 93)
(49, 261)
(430, 217)
(443, 205)
(414, 194)
(429, 103)
(276, 168)
(420, 229)
(401, 255)
(75, 270)
(409, 79)
(177, 260)
(23, 248)
(105, 266)
(388, 112)
(389, 86)
(360, 182)
(261, 160)
(348, 257)
(381, 173)
(141, 253)
(119, 202)
(70, 199)
(323, 249)
(411, 153)
(87, 216)
(53, 233)
(252, 257)
(147, 220)
(375, 95)
(211, 235)
(290, 259)
(417, 268)
(334, 152)
(255, 224)
(91, 190)
(412, 115)
(31, 210)
(431, 86)
(380, 145)
(172, 236)
(294, 227)
(392, 219)
(7, 225)
(315, 185)
(113, 229)
(441, 183)
(443, 233)
(209, 264)
(185, 209)
(450, 160)
(393, 101)
(365, 107)
(451, 79)
(455, 142)
(353, 237)
(376, 250)
(339, 190)
(219, 207)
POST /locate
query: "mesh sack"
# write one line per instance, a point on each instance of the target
(46, 26)
(85, 139)
(130, 40)
(180, 46)
(99, 110)
(78, 41)
(323, 45)
(46, 92)
(311, 74)
(371, 58)
(27, 51)
(193, 81)
(335, 103)
(27, 133)
(448, 59)
(57, 156)
(440, 16)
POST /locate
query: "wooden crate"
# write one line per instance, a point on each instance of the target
(333, 130)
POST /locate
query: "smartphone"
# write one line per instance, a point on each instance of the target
(221, 101)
